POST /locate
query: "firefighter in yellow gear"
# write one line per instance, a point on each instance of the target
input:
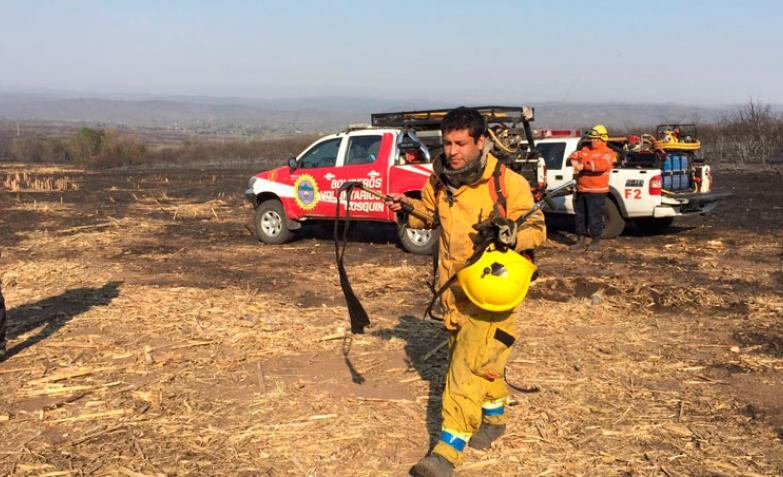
(469, 187)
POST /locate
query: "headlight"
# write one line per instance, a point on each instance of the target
(251, 182)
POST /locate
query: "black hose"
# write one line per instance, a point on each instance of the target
(356, 312)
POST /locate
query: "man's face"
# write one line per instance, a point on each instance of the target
(460, 148)
(596, 143)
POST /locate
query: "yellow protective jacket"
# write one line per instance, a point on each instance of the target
(469, 205)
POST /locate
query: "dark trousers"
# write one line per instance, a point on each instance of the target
(589, 213)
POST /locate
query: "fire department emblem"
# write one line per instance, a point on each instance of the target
(306, 192)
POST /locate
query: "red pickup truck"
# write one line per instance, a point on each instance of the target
(306, 189)
(392, 155)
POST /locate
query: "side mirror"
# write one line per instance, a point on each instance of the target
(292, 163)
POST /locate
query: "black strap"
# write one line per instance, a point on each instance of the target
(435, 262)
(437, 189)
(498, 186)
(359, 318)
(436, 295)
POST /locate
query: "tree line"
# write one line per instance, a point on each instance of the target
(752, 135)
(107, 148)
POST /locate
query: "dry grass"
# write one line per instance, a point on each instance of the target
(164, 341)
(23, 181)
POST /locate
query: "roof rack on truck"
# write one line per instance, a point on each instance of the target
(508, 129)
(503, 121)
(431, 118)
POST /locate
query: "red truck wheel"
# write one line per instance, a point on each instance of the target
(270, 221)
(418, 241)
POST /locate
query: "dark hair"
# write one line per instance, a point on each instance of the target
(464, 118)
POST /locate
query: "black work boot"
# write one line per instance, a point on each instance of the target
(433, 465)
(595, 244)
(580, 243)
(486, 435)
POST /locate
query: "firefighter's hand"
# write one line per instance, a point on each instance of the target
(397, 200)
(578, 166)
(496, 229)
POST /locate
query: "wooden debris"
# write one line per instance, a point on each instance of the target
(97, 415)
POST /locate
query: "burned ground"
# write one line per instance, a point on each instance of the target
(150, 334)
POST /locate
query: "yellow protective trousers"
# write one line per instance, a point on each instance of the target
(475, 386)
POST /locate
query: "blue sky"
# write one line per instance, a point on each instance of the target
(714, 52)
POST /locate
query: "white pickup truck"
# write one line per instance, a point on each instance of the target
(648, 190)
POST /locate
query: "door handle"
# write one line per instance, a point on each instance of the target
(559, 177)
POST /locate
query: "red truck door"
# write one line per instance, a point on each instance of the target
(311, 180)
(366, 160)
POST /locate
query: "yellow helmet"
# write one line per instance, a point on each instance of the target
(498, 280)
(598, 132)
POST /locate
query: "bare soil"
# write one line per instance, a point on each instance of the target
(151, 334)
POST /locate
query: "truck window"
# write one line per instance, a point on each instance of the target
(363, 149)
(553, 153)
(323, 154)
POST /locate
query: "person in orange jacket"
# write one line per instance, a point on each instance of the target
(592, 167)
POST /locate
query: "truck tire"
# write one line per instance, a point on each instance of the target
(614, 223)
(270, 221)
(652, 225)
(418, 241)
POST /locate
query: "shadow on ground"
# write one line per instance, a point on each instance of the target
(558, 225)
(421, 340)
(54, 312)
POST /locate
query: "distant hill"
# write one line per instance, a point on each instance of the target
(624, 116)
(310, 114)
(166, 113)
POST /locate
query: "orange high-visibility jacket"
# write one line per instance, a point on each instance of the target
(598, 165)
